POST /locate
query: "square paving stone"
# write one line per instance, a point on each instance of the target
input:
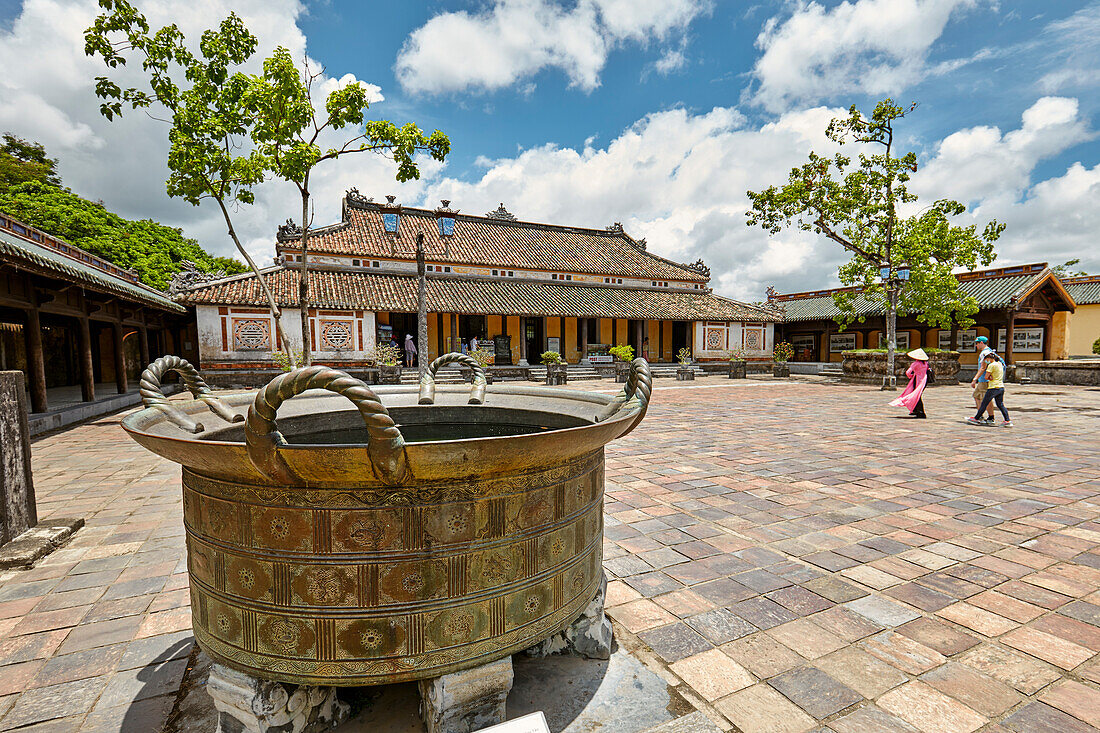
(140, 683)
(815, 692)
(902, 652)
(652, 584)
(1023, 673)
(712, 674)
(724, 592)
(761, 581)
(762, 613)
(799, 600)
(930, 710)
(1076, 699)
(674, 642)
(871, 719)
(867, 675)
(939, 636)
(881, 611)
(835, 590)
(721, 625)
(923, 598)
(845, 623)
(762, 655)
(988, 696)
(691, 573)
(1036, 717)
(55, 701)
(628, 565)
(760, 709)
(830, 561)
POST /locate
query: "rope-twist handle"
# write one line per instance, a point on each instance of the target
(477, 388)
(639, 387)
(386, 445)
(153, 396)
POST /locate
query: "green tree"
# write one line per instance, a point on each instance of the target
(154, 251)
(22, 161)
(288, 130)
(1066, 269)
(855, 204)
(209, 156)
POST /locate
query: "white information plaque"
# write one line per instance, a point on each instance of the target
(533, 723)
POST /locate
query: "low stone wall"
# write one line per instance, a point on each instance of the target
(1073, 371)
(18, 511)
(865, 367)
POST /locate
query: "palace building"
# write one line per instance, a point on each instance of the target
(80, 328)
(522, 287)
(1024, 311)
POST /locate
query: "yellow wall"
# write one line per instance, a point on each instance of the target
(432, 348)
(571, 344)
(622, 332)
(604, 328)
(1084, 329)
(553, 327)
(513, 331)
(666, 341)
(383, 318)
(492, 325)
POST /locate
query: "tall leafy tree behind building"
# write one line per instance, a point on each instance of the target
(854, 202)
(31, 191)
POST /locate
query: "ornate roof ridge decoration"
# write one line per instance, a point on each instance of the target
(616, 227)
(290, 230)
(700, 267)
(501, 214)
(352, 196)
(190, 276)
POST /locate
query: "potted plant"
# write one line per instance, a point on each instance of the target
(738, 367)
(388, 359)
(685, 372)
(781, 355)
(484, 357)
(555, 367)
(623, 356)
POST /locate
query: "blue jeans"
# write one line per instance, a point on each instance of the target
(994, 394)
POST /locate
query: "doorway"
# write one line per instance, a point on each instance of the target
(679, 338)
(534, 337)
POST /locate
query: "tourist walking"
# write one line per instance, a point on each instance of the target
(410, 351)
(994, 392)
(980, 382)
(912, 397)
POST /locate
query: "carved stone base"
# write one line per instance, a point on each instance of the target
(590, 636)
(248, 704)
(465, 701)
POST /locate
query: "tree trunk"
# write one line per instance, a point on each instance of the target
(890, 381)
(303, 279)
(421, 307)
(276, 314)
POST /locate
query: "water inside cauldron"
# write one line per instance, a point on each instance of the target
(420, 433)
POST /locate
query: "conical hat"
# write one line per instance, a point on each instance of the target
(918, 354)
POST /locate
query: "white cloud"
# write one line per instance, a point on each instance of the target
(868, 46)
(514, 39)
(47, 94)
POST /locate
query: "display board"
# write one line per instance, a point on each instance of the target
(1024, 340)
(965, 340)
(502, 349)
(839, 342)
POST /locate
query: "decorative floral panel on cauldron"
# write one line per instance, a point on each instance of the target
(370, 586)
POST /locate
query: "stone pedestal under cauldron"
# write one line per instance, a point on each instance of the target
(371, 537)
(869, 367)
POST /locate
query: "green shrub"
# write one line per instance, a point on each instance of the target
(1096, 346)
(622, 353)
(783, 352)
(551, 357)
(684, 356)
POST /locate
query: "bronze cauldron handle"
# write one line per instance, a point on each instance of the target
(427, 382)
(153, 396)
(386, 445)
(639, 385)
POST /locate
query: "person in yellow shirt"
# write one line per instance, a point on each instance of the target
(995, 392)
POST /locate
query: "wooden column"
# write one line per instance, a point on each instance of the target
(582, 336)
(87, 365)
(36, 363)
(453, 345)
(121, 380)
(143, 335)
(639, 334)
(1010, 328)
(522, 339)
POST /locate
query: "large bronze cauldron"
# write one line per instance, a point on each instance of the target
(443, 529)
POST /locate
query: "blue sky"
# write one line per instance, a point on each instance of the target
(656, 113)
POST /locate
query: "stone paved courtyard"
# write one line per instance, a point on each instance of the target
(789, 556)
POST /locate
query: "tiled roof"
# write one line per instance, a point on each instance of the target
(37, 257)
(479, 240)
(368, 291)
(991, 292)
(1084, 290)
